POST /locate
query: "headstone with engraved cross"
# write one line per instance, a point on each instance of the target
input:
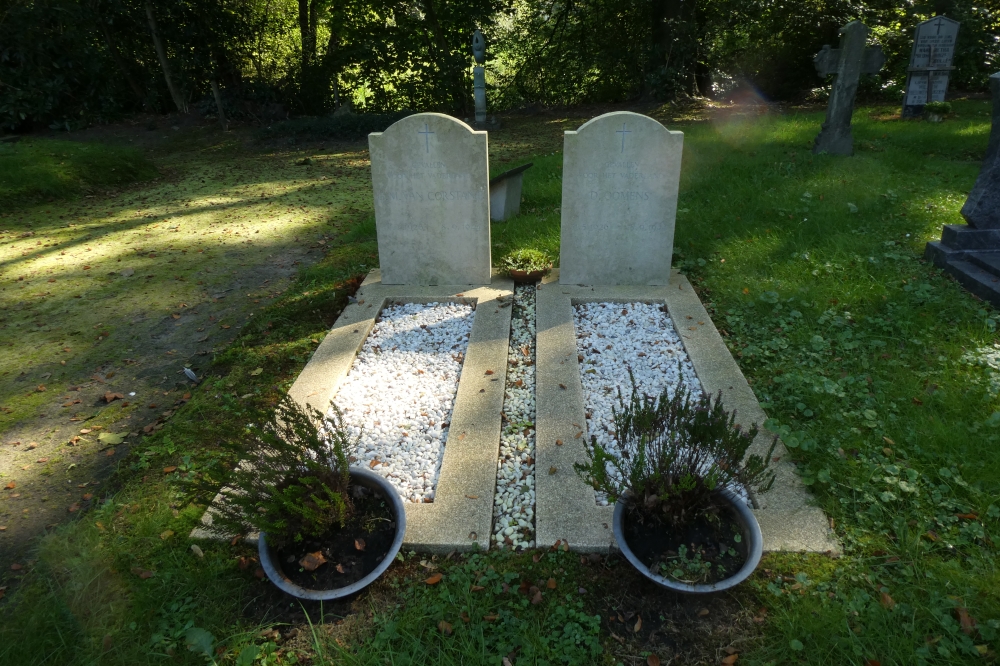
(930, 64)
(430, 179)
(848, 63)
(619, 202)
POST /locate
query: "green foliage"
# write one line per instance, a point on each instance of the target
(42, 169)
(526, 259)
(292, 481)
(939, 108)
(676, 454)
(346, 126)
(490, 608)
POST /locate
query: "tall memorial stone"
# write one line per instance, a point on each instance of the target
(430, 179)
(848, 63)
(971, 252)
(619, 201)
(930, 64)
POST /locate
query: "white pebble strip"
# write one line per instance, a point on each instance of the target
(400, 392)
(611, 338)
(514, 502)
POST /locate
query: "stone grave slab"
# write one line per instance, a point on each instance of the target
(566, 508)
(430, 179)
(461, 515)
(621, 173)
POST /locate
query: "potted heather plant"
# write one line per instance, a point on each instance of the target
(936, 111)
(681, 482)
(527, 265)
(326, 530)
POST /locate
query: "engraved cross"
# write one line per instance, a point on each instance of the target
(623, 132)
(427, 138)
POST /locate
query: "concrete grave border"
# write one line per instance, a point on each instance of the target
(564, 505)
(461, 515)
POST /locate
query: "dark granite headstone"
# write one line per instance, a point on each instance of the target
(971, 252)
(848, 62)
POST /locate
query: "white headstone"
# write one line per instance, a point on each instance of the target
(930, 63)
(430, 178)
(619, 201)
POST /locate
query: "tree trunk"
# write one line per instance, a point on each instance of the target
(161, 53)
(218, 105)
(120, 61)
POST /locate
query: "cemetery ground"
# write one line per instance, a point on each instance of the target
(880, 373)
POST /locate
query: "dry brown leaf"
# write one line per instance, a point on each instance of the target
(11, 486)
(490, 618)
(170, 470)
(87, 497)
(359, 544)
(434, 580)
(142, 573)
(652, 660)
(339, 568)
(578, 435)
(551, 583)
(489, 372)
(16, 567)
(703, 612)
(74, 507)
(638, 624)
(966, 620)
(537, 598)
(465, 617)
(444, 628)
(887, 601)
(730, 660)
(472, 496)
(558, 442)
(476, 588)
(312, 561)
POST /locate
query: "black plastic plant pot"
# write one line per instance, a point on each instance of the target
(360, 477)
(752, 537)
(525, 277)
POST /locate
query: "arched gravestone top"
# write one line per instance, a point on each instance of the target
(619, 204)
(430, 179)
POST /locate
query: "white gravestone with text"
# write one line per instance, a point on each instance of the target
(930, 64)
(430, 179)
(619, 203)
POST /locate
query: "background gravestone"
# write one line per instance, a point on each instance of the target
(972, 252)
(930, 64)
(848, 62)
(619, 201)
(430, 178)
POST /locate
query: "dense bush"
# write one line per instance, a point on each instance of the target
(346, 126)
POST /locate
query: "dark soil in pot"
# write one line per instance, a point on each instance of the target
(709, 549)
(344, 554)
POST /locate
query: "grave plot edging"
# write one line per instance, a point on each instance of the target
(461, 515)
(565, 505)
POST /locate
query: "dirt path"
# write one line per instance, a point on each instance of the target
(105, 300)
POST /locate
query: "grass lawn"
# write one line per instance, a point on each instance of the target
(880, 373)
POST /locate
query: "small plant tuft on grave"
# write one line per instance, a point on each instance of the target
(292, 481)
(937, 110)
(677, 453)
(526, 260)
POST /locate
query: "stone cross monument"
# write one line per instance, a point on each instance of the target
(848, 62)
(479, 76)
(930, 64)
(971, 252)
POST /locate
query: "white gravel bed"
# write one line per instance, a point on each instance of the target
(400, 392)
(514, 502)
(610, 339)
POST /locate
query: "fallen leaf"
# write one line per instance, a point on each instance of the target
(652, 660)
(537, 598)
(465, 617)
(434, 580)
(703, 612)
(887, 601)
(312, 561)
(490, 618)
(966, 620)
(730, 660)
(559, 442)
(85, 431)
(638, 624)
(197, 551)
(578, 435)
(11, 485)
(110, 439)
(42, 460)
(142, 573)
(551, 584)
(16, 567)
(472, 496)
(88, 496)
(166, 534)
(259, 573)
(967, 516)
(186, 396)
(111, 397)
(444, 628)
(339, 568)
(552, 470)
(170, 470)
(256, 372)
(359, 544)
(476, 588)
(489, 372)
(41, 388)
